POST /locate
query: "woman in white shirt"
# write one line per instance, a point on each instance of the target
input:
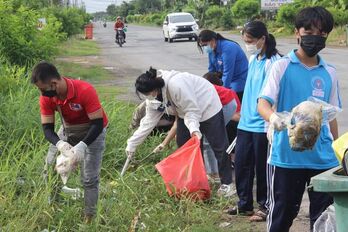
(197, 105)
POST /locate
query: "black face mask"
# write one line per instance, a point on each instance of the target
(49, 93)
(312, 44)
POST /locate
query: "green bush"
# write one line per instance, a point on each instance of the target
(72, 19)
(287, 13)
(227, 20)
(340, 16)
(157, 18)
(21, 42)
(190, 10)
(246, 9)
(213, 16)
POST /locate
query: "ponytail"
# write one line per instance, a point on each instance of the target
(271, 44)
(148, 82)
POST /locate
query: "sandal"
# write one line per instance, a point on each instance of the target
(236, 211)
(259, 216)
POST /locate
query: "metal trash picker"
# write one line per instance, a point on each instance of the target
(129, 158)
(232, 145)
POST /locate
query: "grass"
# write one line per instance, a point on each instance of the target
(24, 196)
(338, 36)
(78, 46)
(92, 73)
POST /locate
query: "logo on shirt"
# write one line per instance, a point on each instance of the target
(318, 87)
(75, 106)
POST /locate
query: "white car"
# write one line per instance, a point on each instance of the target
(180, 25)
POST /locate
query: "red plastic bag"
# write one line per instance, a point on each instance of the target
(183, 172)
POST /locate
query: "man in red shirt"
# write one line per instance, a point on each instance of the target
(118, 27)
(84, 122)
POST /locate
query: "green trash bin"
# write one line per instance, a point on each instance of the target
(335, 183)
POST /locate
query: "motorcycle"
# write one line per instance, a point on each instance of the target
(120, 37)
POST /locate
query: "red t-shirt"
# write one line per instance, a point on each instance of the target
(82, 99)
(227, 95)
(119, 25)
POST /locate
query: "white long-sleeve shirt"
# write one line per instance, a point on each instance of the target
(188, 96)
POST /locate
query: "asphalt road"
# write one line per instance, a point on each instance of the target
(145, 47)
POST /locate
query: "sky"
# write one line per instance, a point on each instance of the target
(99, 5)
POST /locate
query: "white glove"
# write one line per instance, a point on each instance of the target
(277, 122)
(159, 148)
(130, 153)
(198, 134)
(63, 147)
(270, 133)
(79, 151)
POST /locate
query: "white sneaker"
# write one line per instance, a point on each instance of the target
(213, 179)
(226, 190)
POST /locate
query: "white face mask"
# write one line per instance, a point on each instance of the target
(149, 97)
(252, 49)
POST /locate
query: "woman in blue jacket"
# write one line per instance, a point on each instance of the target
(227, 57)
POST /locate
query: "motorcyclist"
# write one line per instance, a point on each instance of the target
(119, 25)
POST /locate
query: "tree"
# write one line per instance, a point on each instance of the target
(111, 10)
(147, 6)
(200, 7)
(246, 9)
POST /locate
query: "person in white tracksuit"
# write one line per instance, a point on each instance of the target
(197, 105)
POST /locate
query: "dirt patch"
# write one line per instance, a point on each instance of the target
(123, 76)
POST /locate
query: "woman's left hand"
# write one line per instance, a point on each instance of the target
(197, 133)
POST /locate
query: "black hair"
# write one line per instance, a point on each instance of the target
(257, 29)
(317, 17)
(208, 35)
(148, 82)
(44, 72)
(214, 78)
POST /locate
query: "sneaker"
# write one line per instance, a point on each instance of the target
(226, 190)
(241, 212)
(213, 179)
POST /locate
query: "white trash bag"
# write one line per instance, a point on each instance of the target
(64, 166)
(327, 221)
(305, 120)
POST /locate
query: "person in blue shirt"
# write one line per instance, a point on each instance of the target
(252, 143)
(227, 57)
(292, 79)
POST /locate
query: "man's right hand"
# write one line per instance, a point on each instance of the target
(64, 147)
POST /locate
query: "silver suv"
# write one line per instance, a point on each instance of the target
(180, 25)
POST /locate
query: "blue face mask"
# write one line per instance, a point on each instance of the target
(207, 49)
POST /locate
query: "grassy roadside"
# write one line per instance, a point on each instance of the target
(23, 199)
(78, 46)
